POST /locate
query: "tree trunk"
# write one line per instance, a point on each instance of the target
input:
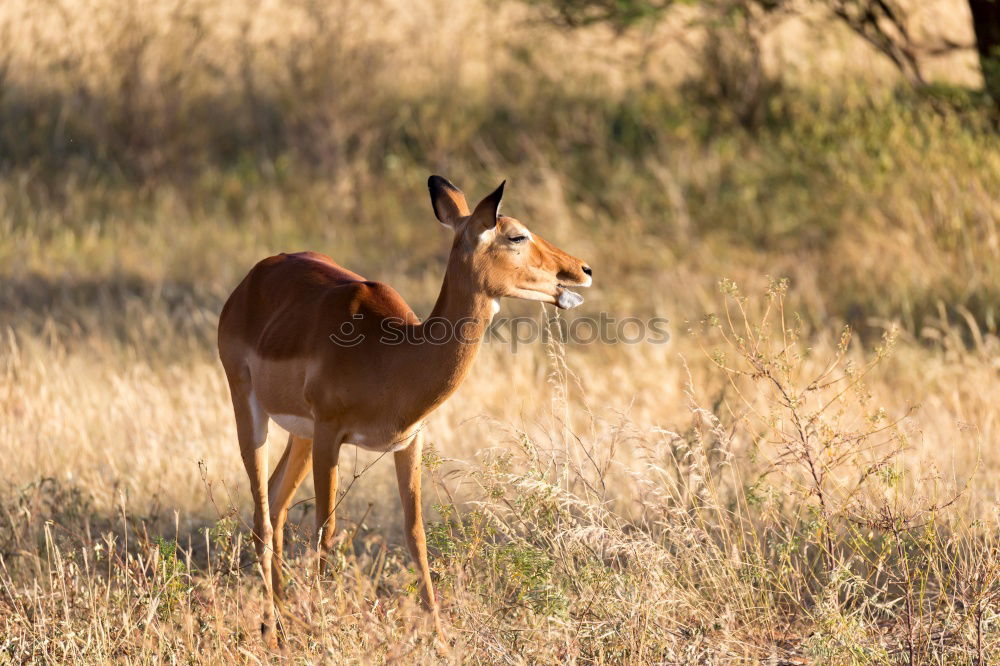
(986, 23)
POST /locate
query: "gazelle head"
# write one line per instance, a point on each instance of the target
(502, 256)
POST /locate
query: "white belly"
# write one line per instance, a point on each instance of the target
(303, 426)
(378, 442)
(300, 426)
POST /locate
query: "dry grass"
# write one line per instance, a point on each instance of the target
(703, 501)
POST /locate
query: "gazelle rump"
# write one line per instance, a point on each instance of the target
(336, 359)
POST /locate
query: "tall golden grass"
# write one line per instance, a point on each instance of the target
(761, 488)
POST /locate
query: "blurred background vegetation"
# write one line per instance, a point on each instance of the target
(846, 144)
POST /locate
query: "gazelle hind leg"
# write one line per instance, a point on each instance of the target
(286, 479)
(326, 456)
(251, 429)
(408, 476)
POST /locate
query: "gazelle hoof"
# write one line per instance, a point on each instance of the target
(269, 635)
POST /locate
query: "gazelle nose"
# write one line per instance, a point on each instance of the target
(586, 269)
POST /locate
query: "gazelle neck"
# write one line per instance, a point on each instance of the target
(461, 302)
(447, 342)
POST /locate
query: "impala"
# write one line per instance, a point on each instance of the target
(281, 342)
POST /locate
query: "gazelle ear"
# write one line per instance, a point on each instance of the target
(448, 201)
(486, 213)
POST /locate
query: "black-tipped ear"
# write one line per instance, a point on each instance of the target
(488, 210)
(448, 201)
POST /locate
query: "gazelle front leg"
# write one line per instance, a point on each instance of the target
(326, 454)
(408, 475)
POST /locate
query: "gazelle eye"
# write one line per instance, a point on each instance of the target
(517, 239)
